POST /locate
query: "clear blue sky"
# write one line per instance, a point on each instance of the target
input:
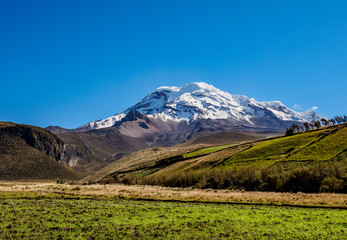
(70, 62)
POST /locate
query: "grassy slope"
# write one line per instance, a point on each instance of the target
(325, 148)
(204, 151)
(316, 145)
(324, 144)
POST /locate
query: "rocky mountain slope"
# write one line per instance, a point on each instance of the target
(29, 152)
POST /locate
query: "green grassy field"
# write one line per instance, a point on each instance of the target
(205, 151)
(69, 217)
(316, 145)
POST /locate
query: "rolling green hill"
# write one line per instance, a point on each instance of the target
(316, 145)
(308, 161)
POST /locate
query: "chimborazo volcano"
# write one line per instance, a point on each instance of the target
(185, 109)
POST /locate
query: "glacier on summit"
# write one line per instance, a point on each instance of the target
(199, 100)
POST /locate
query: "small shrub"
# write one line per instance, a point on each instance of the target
(331, 184)
(61, 181)
(107, 180)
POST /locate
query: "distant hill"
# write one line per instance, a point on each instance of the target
(87, 152)
(29, 152)
(313, 154)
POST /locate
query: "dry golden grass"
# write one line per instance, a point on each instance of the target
(178, 194)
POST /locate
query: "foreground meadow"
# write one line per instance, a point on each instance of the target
(41, 210)
(69, 217)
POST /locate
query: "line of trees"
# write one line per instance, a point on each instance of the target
(316, 124)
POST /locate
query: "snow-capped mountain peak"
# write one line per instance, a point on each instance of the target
(199, 100)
